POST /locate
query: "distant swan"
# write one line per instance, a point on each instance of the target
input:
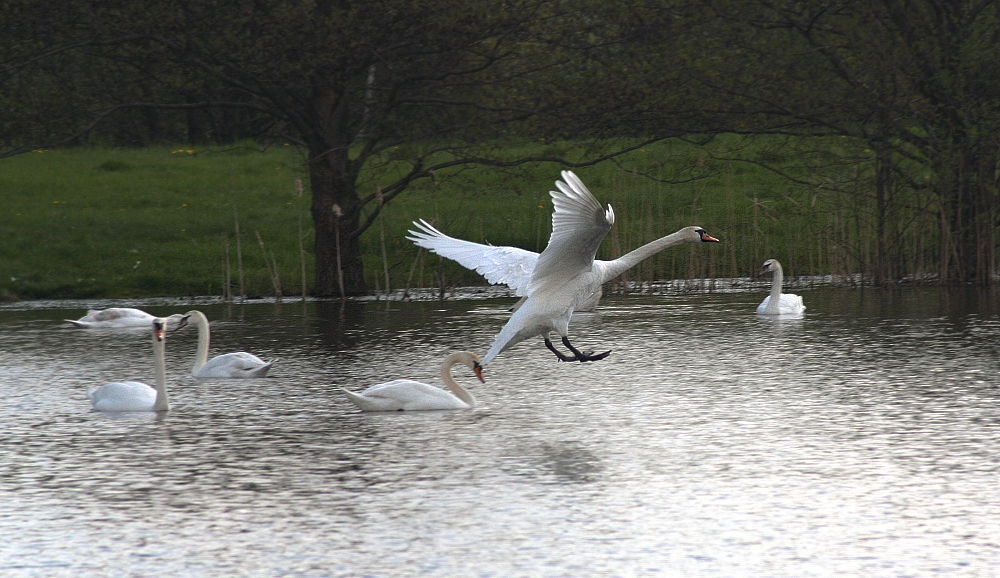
(240, 364)
(121, 318)
(778, 303)
(134, 395)
(565, 277)
(406, 394)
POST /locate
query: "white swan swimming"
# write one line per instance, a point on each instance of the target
(410, 395)
(240, 364)
(134, 395)
(778, 303)
(513, 267)
(566, 277)
(121, 318)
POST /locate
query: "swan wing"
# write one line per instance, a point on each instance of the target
(791, 304)
(123, 396)
(405, 394)
(788, 304)
(114, 317)
(119, 314)
(579, 224)
(510, 266)
(239, 364)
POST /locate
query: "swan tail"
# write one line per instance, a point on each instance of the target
(363, 403)
(262, 370)
(81, 324)
(518, 305)
(508, 337)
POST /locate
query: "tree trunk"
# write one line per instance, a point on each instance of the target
(333, 184)
(883, 184)
(969, 237)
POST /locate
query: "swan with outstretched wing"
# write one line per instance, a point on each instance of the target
(513, 266)
(566, 277)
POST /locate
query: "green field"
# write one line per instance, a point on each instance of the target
(93, 222)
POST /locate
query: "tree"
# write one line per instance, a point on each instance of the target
(415, 87)
(913, 79)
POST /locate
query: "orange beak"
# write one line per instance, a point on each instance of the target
(706, 238)
(479, 372)
(158, 331)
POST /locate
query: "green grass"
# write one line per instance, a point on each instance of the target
(92, 222)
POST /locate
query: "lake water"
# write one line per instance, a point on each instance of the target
(862, 440)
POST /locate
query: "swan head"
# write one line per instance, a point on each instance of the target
(769, 266)
(174, 322)
(696, 234)
(186, 319)
(182, 323)
(159, 329)
(473, 362)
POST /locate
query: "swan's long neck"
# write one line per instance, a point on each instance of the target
(162, 403)
(204, 336)
(449, 380)
(614, 268)
(778, 277)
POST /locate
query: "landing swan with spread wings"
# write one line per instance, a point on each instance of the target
(565, 277)
(513, 267)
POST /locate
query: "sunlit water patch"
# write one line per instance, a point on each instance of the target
(861, 439)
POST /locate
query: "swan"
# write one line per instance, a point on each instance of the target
(566, 277)
(134, 395)
(239, 364)
(512, 266)
(120, 318)
(778, 303)
(406, 394)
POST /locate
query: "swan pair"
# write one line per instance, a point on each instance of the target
(564, 278)
(230, 365)
(778, 303)
(137, 396)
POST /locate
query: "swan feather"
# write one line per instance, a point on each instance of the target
(237, 364)
(405, 394)
(509, 266)
(123, 396)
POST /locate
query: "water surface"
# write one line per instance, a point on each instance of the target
(861, 439)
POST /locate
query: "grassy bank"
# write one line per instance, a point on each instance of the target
(94, 222)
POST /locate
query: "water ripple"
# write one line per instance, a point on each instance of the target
(861, 439)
